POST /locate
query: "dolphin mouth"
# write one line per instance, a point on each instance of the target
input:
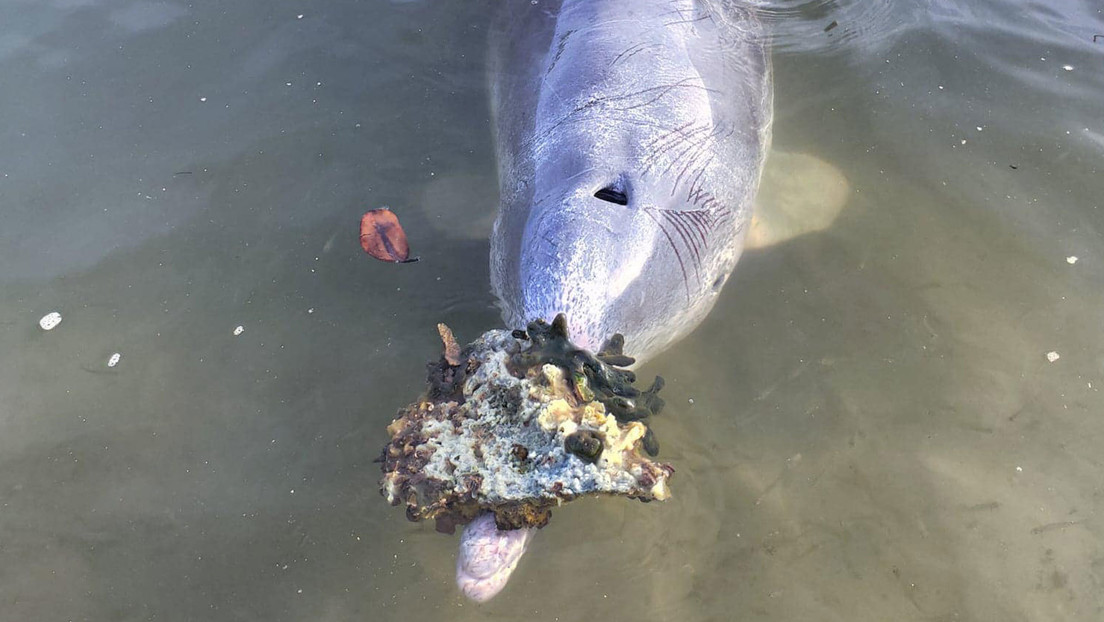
(488, 556)
(580, 258)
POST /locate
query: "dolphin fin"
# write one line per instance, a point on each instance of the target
(799, 194)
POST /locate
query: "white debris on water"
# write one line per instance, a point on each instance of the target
(50, 321)
(239, 330)
(1053, 356)
(1067, 67)
(1072, 259)
(114, 360)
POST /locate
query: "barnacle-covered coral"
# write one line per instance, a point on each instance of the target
(518, 424)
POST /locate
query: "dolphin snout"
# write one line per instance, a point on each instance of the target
(579, 260)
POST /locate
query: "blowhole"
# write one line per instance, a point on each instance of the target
(718, 283)
(611, 194)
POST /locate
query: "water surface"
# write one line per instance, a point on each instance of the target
(866, 428)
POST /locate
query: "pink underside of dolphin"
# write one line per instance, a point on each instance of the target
(488, 556)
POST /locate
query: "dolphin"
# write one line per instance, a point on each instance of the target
(631, 137)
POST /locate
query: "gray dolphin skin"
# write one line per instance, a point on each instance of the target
(630, 137)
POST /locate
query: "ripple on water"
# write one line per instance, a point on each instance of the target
(800, 26)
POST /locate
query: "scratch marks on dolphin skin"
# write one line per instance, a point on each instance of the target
(677, 130)
(603, 102)
(681, 135)
(696, 150)
(697, 226)
(696, 140)
(693, 82)
(678, 10)
(674, 247)
(692, 161)
(632, 51)
(691, 231)
(696, 192)
(702, 198)
(560, 47)
(690, 20)
(681, 12)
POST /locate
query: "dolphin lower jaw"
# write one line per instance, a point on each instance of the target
(488, 556)
(546, 294)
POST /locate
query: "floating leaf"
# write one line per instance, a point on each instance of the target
(382, 237)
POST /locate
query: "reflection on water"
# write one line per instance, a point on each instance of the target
(847, 26)
(867, 427)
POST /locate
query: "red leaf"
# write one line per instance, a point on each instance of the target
(382, 237)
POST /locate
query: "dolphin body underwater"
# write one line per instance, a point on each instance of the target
(631, 137)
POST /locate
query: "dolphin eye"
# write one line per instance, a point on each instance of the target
(612, 195)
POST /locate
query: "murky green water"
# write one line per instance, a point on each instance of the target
(866, 428)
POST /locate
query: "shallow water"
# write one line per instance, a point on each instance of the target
(866, 428)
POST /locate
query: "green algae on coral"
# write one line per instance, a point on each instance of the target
(596, 377)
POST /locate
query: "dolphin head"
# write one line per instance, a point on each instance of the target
(624, 203)
(617, 251)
